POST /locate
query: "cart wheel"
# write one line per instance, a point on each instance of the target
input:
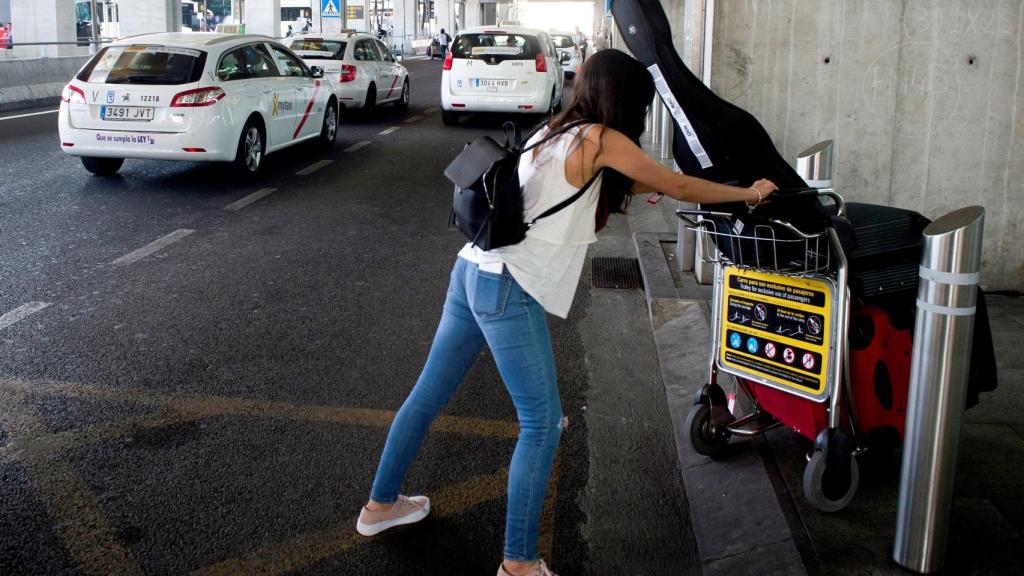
(826, 489)
(698, 422)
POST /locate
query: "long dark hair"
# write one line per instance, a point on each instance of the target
(615, 90)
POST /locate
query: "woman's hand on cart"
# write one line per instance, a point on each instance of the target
(763, 188)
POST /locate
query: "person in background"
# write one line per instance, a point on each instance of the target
(304, 23)
(601, 40)
(443, 39)
(501, 297)
(10, 36)
(289, 33)
(3, 37)
(580, 40)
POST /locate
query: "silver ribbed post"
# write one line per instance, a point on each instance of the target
(943, 336)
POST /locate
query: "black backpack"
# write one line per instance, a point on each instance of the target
(487, 205)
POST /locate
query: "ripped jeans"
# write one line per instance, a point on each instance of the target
(485, 307)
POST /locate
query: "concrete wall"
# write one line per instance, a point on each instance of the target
(48, 77)
(923, 99)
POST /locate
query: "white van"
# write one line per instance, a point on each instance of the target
(500, 69)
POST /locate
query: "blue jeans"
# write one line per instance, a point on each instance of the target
(484, 307)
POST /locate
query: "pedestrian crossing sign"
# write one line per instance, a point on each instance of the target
(329, 9)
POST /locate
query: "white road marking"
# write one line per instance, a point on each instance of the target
(412, 119)
(430, 110)
(357, 146)
(27, 115)
(161, 242)
(21, 312)
(313, 167)
(236, 206)
(387, 131)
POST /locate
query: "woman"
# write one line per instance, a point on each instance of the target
(500, 297)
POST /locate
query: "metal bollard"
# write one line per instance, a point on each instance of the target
(668, 128)
(656, 113)
(943, 336)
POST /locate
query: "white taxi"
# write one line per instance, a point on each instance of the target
(569, 55)
(199, 96)
(363, 70)
(500, 69)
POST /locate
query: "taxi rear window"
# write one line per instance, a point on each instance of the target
(315, 49)
(562, 41)
(139, 64)
(492, 46)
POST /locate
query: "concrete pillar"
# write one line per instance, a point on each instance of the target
(404, 21)
(444, 12)
(472, 13)
(44, 21)
(149, 16)
(263, 17)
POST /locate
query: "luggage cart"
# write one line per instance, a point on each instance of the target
(780, 315)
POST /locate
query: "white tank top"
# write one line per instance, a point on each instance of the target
(547, 264)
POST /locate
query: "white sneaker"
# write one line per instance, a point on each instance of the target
(405, 511)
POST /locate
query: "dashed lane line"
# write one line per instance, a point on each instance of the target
(73, 509)
(430, 110)
(412, 119)
(357, 146)
(236, 206)
(313, 167)
(387, 131)
(20, 313)
(309, 549)
(30, 114)
(154, 246)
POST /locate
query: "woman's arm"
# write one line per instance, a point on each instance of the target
(621, 154)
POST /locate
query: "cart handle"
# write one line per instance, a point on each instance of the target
(690, 214)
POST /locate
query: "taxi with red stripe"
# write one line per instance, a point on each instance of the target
(365, 73)
(200, 96)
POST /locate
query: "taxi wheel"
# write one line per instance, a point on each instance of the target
(102, 166)
(330, 129)
(450, 117)
(556, 103)
(403, 102)
(249, 156)
(371, 98)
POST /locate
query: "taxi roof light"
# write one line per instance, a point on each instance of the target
(198, 97)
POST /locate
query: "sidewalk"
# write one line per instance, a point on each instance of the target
(748, 511)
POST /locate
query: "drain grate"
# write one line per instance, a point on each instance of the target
(615, 273)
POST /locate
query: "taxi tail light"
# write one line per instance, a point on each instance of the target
(348, 73)
(448, 61)
(197, 97)
(73, 94)
(542, 64)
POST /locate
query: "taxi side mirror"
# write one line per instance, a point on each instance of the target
(564, 58)
(316, 71)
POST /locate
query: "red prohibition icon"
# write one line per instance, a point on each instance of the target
(769, 350)
(808, 361)
(788, 355)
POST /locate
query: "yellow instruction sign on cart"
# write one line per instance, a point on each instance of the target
(777, 330)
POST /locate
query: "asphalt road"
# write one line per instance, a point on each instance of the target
(215, 403)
